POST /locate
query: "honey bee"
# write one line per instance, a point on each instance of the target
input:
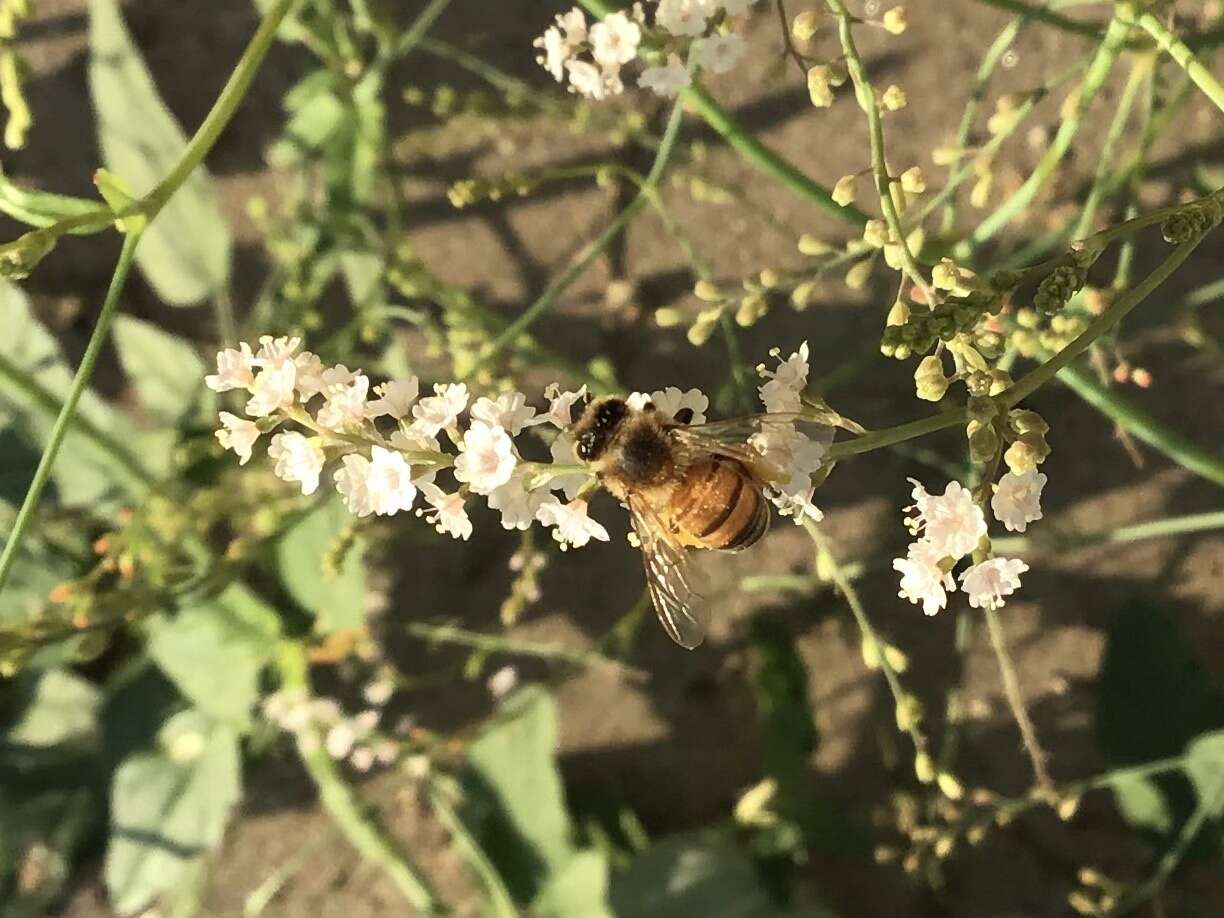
(687, 487)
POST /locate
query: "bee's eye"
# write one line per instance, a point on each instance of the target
(586, 446)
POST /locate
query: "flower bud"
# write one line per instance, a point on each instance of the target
(844, 190)
(913, 181)
(895, 20)
(751, 309)
(707, 292)
(924, 768)
(899, 314)
(875, 233)
(894, 98)
(930, 384)
(856, 277)
(1058, 287)
(810, 245)
(946, 156)
(983, 442)
(952, 789)
(1026, 453)
(667, 317)
(801, 296)
(819, 89)
(805, 25)
(1023, 420)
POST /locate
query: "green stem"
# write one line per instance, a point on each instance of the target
(345, 806)
(1015, 698)
(1178, 50)
(878, 439)
(420, 26)
(1048, 16)
(499, 902)
(548, 299)
(1102, 63)
(1069, 541)
(64, 419)
(1133, 419)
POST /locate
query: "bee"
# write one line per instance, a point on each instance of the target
(687, 487)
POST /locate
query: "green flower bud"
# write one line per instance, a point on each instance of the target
(810, 245)
(983, 442)
(930, 384)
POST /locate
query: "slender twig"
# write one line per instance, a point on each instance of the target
(499, 902)
(1015, 699)
(1177, 50)
(788, 46)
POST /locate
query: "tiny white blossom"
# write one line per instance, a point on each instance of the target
(556, 52)
(573, 25)
(338, 377)
(441, 410)
(574, 526)
(237, 434)
(719, 53)
(783, 390)
(564, 452)
(502, 682)
(614, 41)
(382, 484)
(379, 691)
(235, 370)
(396, 398)
(794, 498)
(667, 80)
(297, 459)
(922, 579)
(346, 405)
(309, 375)
(588, 80)
(487, 460)
(340, 739)
(952, 522)
(273, 352)
(671, 401)
(273, 390)
(561, 404)
(684, 17)
(987, 583)
(362, 758)
(448, 515)
(515, 503)
(509, 410)
(1017, 499)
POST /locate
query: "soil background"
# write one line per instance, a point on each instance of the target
(678, 748)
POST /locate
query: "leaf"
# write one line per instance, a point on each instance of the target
(41, 208)
(34, 379)
(1205, 769)
(1143, 805)
(62, 708)
(691, 877)
(578, 887)
(164, 369)
(214, 652)
(336, 597)
(169, 806)
(185, 252)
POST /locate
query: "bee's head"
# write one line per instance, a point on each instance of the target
(596, 426)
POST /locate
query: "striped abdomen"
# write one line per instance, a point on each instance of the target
(718, 505)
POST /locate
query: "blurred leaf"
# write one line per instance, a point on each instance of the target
(185, 253)
(61, 708)
(1143, 805)
(41, 208)
(164, 369)
(33, 381)
(578, 887)
(168, 806)
(1205, 769)
(690, 877)
(214, 652)
(336, 597)
(363, 273)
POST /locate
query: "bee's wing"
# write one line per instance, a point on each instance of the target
(732, 438)
(670, 579)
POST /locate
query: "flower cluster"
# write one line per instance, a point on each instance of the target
(950, 526)
(688, 36)
(321, 721)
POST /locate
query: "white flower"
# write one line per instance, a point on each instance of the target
(782, 393)
(509, 410)
(952, 523)
(667, 80)
(922, 579)
(589, 81)
(719, 53)
(987, 583)
(795, 498)
(379, 691)
(564, 453)
(487, 460)
(573, 24)
(310, 373)
(297, 459)
(502, 682)
(684, 17)
(615, 40)
(556, 52)
(448, 515)
(1017, 499)
(273, 352)
(671, 401)
(382, 484)
(515, 503)
(237, 434)
(396, 398)
(561, 404)
(235, 370)
(340, 739)
(441, 410)
(338, 377)
(574, 526)
(637, 400)
(362, 758)
(346, 405)
(273, 390)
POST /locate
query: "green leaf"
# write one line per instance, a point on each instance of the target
(185, 252)
(691, 877)
(1143, 805)
(34, 379)
(62, 708)
(169, 806)
(1205, 769)
(165, 370)
(305, 553)
(577, 887)
(214, 652)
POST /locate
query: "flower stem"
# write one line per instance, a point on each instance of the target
(1069, 541)
(1177, 50)
(64, 419)
(1011, 688)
